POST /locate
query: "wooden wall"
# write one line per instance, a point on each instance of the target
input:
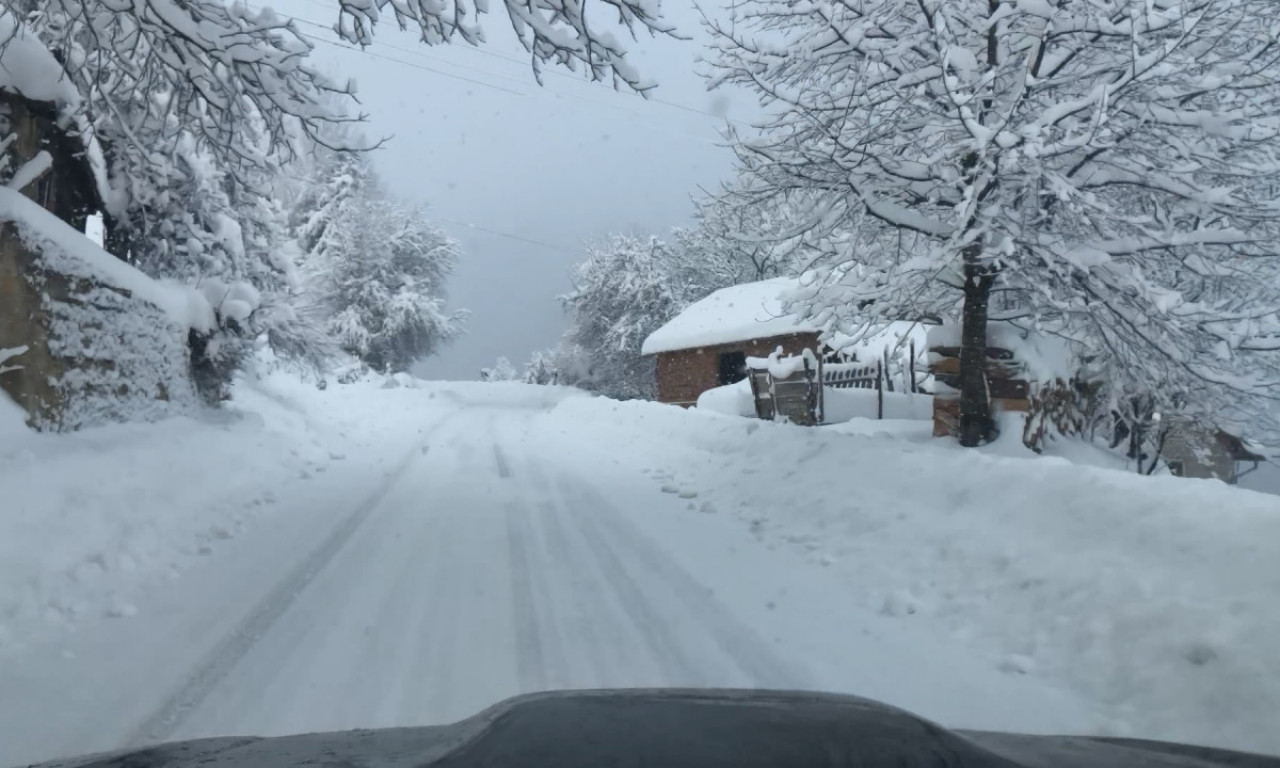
(684, 374)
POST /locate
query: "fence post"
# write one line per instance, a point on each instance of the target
(888, 380)
(914, 387)
(880, 374)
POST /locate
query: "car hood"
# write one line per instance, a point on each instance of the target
(675, 729)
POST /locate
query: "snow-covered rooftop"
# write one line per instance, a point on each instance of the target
(755, 311)
(737, 313)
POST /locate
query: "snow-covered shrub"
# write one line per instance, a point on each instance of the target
(541, 369)
(502, 370)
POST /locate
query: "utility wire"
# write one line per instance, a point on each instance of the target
(554, 72)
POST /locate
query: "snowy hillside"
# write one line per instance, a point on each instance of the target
(217, 576)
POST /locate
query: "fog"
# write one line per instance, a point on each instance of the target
(523, 175)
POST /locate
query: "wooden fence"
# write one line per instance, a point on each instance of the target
(877, 376)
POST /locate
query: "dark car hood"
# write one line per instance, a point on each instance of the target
(675, 729)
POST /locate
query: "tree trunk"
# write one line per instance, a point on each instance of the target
(976, 425)
(67, 190)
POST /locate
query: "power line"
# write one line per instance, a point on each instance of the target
(509, 236)
(502, 57)
(422, 67)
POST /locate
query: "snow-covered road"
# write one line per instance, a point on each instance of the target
(480, 549)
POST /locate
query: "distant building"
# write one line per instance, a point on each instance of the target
(707, 345)
(1193, 450)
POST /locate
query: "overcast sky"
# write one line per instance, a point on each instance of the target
(522, 175)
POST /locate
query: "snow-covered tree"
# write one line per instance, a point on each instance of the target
(187, 113)
(734, 242)
(625, 289)
(501, 370)
(541, 369)
(382, 277)
(1101, 169)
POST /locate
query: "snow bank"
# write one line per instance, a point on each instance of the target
(90, 519)
(1153, 598)
(731, 400)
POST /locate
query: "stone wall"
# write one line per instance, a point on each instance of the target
(683, 375)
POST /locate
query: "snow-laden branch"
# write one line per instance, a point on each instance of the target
(30, 171)
(1111, 170)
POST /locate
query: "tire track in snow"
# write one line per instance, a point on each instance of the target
(171, 714)
(648, 621)
(540, 660)
(736, 640)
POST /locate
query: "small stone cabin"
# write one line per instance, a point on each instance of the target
(1194, 450)
(707, 345)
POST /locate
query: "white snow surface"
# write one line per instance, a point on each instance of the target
(370, 556)
(731, 400)
(736, 313)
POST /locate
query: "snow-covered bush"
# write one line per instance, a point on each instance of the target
(541, 369)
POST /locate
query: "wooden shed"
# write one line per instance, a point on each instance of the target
(707, 345)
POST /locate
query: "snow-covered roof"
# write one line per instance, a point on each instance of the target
(737, 313)
(755, 311)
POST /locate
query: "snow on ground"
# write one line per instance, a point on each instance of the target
(92, 517)
(1153, 597)
(839, 405)
(395, 552)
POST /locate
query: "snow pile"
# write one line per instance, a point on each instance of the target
(840, 405)
(731, 400)
(780, 367)
(737, 313)
(1153, 598)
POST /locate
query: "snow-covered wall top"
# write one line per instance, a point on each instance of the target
(28, 69)
(82, 258)
(91, 339)
(737, 313)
